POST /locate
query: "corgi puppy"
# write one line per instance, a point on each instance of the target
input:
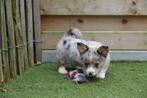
(91, 56)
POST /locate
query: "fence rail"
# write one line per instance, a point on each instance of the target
(20, 39)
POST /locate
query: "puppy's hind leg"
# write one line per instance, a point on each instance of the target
(62, 65)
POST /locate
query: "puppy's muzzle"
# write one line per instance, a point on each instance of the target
(90, 74)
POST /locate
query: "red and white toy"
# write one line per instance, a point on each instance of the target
(75, 76)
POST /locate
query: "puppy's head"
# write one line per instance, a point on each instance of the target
(92, 58)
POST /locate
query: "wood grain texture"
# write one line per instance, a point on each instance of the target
(116, 40)
(19, 37)
(11, 37)
(1, 69)
(37, 31)
(93, 7)
(23, 30)
(94, 23)
(29, 27)
(1, 65)
(4, 43)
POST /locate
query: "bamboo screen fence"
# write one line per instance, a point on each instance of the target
(20, 39)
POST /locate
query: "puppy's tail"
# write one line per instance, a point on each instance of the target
(73, 32)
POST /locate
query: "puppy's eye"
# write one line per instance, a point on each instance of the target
(86, 64)
(97, 65)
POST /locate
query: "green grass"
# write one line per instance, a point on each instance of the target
(123, 80)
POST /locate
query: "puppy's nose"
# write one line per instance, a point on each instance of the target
(90, 74)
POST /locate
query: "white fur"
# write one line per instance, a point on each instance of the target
(62, 70)
(91, 70)
(104, 68)
(72, 54)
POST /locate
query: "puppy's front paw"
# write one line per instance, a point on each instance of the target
(100, 75)
(62, 70)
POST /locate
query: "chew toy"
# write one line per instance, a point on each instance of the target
(75, 76)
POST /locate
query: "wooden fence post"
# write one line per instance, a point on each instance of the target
(37, 34)
(1, 66)
(11, 37)
(19, 37)
(4, 42)
(23, 26)
(1, 69)
(29, 27)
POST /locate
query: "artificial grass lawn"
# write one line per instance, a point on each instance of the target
(123, 80)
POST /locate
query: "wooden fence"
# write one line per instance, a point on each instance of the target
(121, 24)
(20, 40)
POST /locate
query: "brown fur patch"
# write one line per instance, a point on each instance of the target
(103, 51)
(82, 48)
(93, 61)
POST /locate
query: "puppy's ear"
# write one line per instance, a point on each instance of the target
(103, 51)
(82, 48)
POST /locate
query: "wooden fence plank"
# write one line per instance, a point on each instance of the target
(11, 37)
(1, 69)
(37, 31)
(29, 27)
(23, 28)
(19, 37)
(117, 40)
(93, 7)
(94, 23)
(1, 65)
(4, 43)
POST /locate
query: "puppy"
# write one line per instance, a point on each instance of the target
(91, 56)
